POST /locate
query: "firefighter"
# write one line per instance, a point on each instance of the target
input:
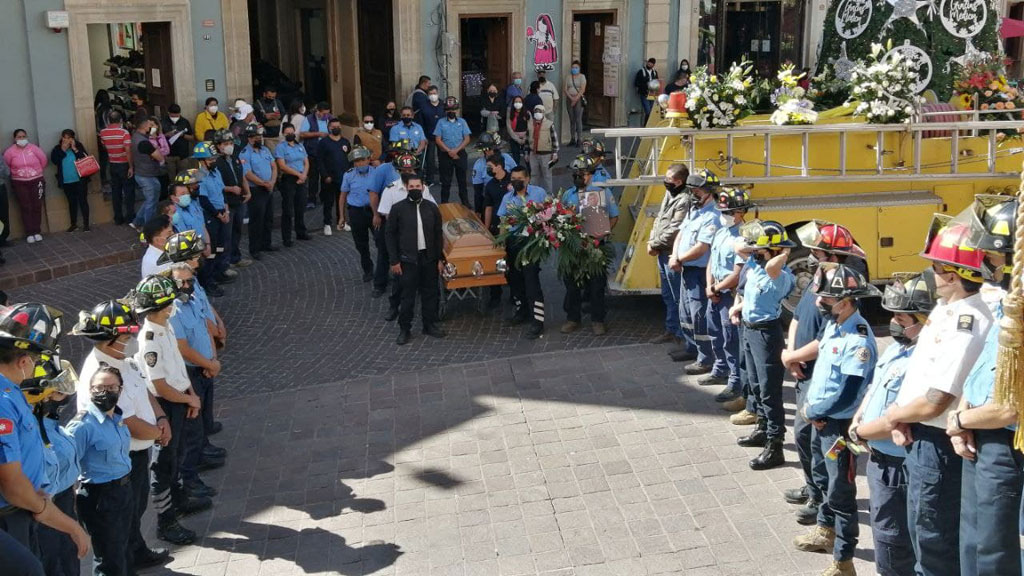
(948, 346)
(765, 245)
(848, 354)
(910, 298)
(595, 149)
(992, 469)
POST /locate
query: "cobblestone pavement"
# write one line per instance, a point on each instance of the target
(598, 462)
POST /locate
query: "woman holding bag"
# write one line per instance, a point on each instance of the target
(575, 101)
(65, 155)
(27, 161)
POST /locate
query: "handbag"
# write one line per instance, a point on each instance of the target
(87, 166)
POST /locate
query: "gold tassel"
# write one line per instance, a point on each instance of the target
(1009, 384)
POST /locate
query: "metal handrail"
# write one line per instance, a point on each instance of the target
(810, 128)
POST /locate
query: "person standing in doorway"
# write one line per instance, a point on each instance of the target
(641, 82)
(543, 143)
(64, 155)
(27, 162)
(147, 162)
(575, 102)
(117, 141)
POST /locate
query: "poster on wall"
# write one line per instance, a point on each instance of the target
(545, 46)
(612, 59)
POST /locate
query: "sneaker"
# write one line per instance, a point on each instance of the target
(743, 418)
(807, 515)
(819, 539)
(175, 533)
(347, 228)
(569, 327)
(843, 568)
(327, 230)
(30, 239)
(796, 495)
(737, 404)
(39, 237)
(599, 328)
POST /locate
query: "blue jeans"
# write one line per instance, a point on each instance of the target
(934, 475)
(991, 497)
(763, 350)
(150, 188)
(839, 508)
(725, 341)
(670, 283)
(693, 313)
(815, 474)
(887, 485)
(647, 106)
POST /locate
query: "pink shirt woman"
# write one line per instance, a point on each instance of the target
(26, 162)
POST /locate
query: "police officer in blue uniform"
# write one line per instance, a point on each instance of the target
(769, 281)
(597, 199)
(293, 165)
(261, 173)
(910, 298)
(595, 149)
(523, 281)
(488, 144)
(359, 201)
(691, 252)
(62, 469)
(993, 471)
(409, 131)
(723, 278)
(452, 135)
(846, 364)
(105, 498)
(216, 212)
(28, 352)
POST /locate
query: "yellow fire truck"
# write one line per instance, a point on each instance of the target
(883, 182)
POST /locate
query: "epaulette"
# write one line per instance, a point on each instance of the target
(863, 330)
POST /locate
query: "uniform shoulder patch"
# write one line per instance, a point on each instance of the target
(150, 335)
(863, 354)
(151, 358)
(965, 323)
(862, 329)
(6, 426)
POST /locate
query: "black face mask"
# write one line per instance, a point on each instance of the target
(416, 194)
(579, 182)
(257, 144)
(898, 333)
(518, 185)
(407, 121)
(335, 131)
(390, 111)
(51, 408)
(673, 188)
(825, 309)
(451, 115)
(490, 172)
(492, 94)
(289, 137)
(104, 401)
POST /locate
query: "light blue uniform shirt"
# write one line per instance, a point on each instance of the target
(513, 200)
(888, 378)
(203, 301)
(191, 218)
(698, 227)
(259, 162)
(572, 198)
(480, 175)
(846, 351)
(451, 132)
(762, 296)
(981, 380)
(211, 187)
(723, 258)
(20, 440)
(414, 134)
(190, 323)
(601, 175)
(103, 443)
(383, 176)
(62, 467)
(68, 169)
(358, 185)
(294, 156)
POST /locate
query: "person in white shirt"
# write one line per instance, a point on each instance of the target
(112, 326)
(156, 231)
(548, 94)
(948, 346)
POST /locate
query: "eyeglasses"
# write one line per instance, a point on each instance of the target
(106, 388)
(182, 282)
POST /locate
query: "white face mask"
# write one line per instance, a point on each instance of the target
(538, 115)
(727, 220)
(21, 142)
(174, 119)
(302, 110)
(228, 150)
(213, 109)
(434, 98)
(518, 105)
(152, 131)
(368, 126)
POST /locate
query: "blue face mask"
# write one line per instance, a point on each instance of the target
(575, 69)
(362, 169)
(176, 219)
(184, 201)
(517, 81)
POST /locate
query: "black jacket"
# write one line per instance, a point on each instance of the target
(232, 173)
(401, 231)
(57, 157)
(333, 158)
(640, 80)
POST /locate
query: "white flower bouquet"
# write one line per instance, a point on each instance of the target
(713, 102)
(884, 88)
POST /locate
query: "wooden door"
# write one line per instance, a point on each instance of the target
(592, 34)
(497, 53)
(376, 55)
(157, 53)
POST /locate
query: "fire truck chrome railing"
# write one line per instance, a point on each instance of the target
(650, 170)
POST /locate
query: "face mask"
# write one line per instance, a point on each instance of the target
(228, 150)
(517, 81)
(407, 121)
(518, 105)
(825, 309)
(176, 218)
(368, 126)
(302, 110)
(152, 131)
(105, 401)
(258, 143)
(898, 332)
(21, 142)
(727, 220)
(335, 131)
(174, 119)
(685, 67)
(490, 172)
(518, 185)
(538, 116)
(579, 182)
(289, 137)
(451, 115)
(575, 69)
(492, 94)
(51, 408)
(184, 202)
(213, 110)
(434, 98)
(362, 169)
(390, 111)
(672, 188)
(416, 194)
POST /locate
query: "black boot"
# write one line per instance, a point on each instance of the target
(757, 438)
(770, 457)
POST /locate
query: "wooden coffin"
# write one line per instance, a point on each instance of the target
(470, 247)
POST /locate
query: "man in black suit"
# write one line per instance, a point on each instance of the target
(415, 249)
